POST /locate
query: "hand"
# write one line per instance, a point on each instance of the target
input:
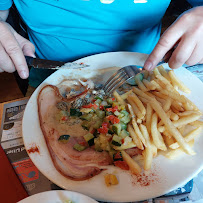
(186, 36)
(13, 47)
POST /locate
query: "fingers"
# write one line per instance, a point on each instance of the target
(14, 51)
(183, 52)
(196, 56)
(201, 61)
(186, 32)
(27, 47)
(166, 42)
(168, 55)
(5, 63)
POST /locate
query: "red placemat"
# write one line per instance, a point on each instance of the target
(11, 189)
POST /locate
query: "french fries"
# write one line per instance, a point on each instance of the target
(135, 137)
(149, 85)
(138, 133)
(167, 104)
(136, 111)
(125, 95)
(119, 98)
(159, 117)
(174, 153)
(133, 165)
(177, 82)
(170, 127)
(163, 72)
(140, 84)
(148, 118)
(138, 103)
(190, 136)
(197, 123)
(183, 121)
(158, 141)
(148, 152)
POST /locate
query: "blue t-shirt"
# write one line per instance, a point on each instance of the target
(67, 30)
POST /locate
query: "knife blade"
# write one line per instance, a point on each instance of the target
(49, 64)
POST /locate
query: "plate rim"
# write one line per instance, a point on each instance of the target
(55, 192)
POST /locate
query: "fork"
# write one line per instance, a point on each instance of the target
(121, 76)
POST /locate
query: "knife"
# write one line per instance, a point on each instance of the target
(48, 64)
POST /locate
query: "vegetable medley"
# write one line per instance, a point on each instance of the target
(105, 120)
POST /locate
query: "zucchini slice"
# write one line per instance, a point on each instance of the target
(116, 141)
(124, 133)
(89, 138)
(123, 126)
(86, 125)
(86, 117)
(75, 112)
(64, 138)
(100, 113)
(97, 124)
(116, 128)
(79, 147)
(131, 81)
(125, 119)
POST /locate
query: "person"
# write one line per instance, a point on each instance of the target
(68, 30)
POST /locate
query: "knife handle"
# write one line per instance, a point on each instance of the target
(29, 60)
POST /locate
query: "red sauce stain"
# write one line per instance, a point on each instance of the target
(33, 149)
(144, 179)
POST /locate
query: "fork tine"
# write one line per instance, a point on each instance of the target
(120, 77)
(113, 78)
(112, 84)
(120, 81)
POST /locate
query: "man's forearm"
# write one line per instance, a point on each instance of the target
(4, 15)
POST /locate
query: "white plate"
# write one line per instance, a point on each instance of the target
(58, 196)
(165, 176)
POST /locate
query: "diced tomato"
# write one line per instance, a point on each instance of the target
(110, 118)
(95, 106)
(103, 130)
(118, 156)
(87, 106)
(112, 109)
(105, 125)
(121, 164)
(122, 140)
(94, 100)
(64, 118)
(83, 143)
(101, 107)
(113, 119)
(90, 106)
(115, 108)
(113, 99)
(109, 109)
(116, 120)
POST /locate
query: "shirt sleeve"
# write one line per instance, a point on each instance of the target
(196, 2)
(5, 4)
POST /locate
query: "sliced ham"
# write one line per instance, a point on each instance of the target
(133, 151)
(69, 162)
